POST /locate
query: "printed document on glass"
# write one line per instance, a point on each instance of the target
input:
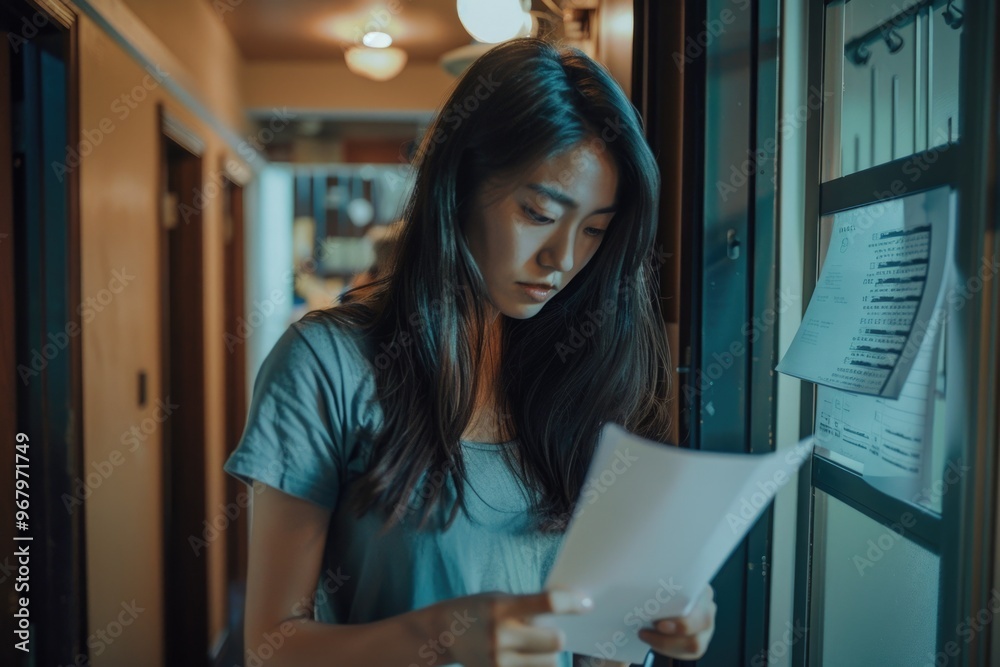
(887, 437)
(653, 525)
(889, 440)
(880, 280)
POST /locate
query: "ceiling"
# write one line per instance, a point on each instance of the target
(319, 29)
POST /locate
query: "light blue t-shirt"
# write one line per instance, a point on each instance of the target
(308, 434)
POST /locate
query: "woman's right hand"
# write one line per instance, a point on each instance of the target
(495, 629)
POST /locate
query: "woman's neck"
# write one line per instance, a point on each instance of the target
(482, 425)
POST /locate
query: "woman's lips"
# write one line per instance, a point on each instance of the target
(538, 293)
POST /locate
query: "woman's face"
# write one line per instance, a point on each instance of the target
(541, 228)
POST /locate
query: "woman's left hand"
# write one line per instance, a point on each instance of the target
(684, 637)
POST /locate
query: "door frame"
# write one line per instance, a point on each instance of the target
(58, 592)
(185, 573)
(236, 402)
(674, 89)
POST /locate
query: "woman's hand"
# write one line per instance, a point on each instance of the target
(492, 629)
(684, 637)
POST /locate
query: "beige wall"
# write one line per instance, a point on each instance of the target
(119, 193)
(195, 34)
(330, 86)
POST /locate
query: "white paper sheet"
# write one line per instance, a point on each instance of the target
(653, 525)
(880, 279)
(887, 437)
(889, 440)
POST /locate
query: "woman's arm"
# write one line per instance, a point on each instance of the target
(587, 661)
(287, 537)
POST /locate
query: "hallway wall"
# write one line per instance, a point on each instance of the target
(119, 199)
(195, 33)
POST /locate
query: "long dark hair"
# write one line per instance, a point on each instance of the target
(595, 353)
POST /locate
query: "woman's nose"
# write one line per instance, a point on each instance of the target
(557, 253)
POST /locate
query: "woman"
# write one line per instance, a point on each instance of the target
(422, 447)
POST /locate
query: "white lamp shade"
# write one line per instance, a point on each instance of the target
(493, 21)
(375, 64)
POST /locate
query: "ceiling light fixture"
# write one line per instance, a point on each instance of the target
(376, 40)
(377, 64)
(494, 21)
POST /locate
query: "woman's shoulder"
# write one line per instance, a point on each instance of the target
(335, 337)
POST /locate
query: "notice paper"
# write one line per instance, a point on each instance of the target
(653, 526)
(886, 438)
(879, 283)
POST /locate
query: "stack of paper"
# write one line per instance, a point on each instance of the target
(653, 525)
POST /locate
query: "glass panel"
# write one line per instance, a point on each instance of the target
(875, 593)
(891, 82)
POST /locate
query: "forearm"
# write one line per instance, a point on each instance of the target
(394, 641)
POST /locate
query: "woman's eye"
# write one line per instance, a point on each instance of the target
(594, 231)
(535, 215)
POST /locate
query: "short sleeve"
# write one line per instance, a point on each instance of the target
(299, 430)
